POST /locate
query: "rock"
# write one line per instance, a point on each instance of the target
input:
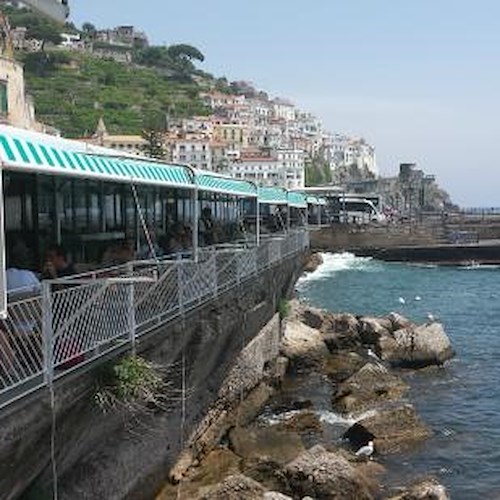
(344, 323)
(265, 444)
(275, 495)
(429, 489)
(236, 487)
(392, 430)
(312, 263)
(251, 406)
(342, 365)
(302, 422)
(303, 345)
(182, 465)
(371, 329)
(322, 474)
(417, 347)
(341, 332)
(371, 384)
(398, 322)
(310, 316)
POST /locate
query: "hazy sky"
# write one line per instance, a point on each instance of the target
(420, 80)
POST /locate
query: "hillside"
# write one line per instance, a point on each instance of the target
(72, 91)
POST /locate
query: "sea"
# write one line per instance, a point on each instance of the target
(459, 402)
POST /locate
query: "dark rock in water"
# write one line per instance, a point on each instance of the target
(429, 489)
(416, 347)
(325, 475)
(237, 487)
(265, 444)
(342, 365)
(392, 429)
(302, 423)
(292, 406)
(312, 263)
(371, 384)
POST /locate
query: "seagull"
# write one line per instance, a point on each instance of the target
(431, 318)
(418, 298)
(366, 451)
(402, 300)
(372, 354)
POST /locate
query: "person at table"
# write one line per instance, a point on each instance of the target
(20, 279)
(56, 264)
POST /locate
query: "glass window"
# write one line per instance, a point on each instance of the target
(4, 103)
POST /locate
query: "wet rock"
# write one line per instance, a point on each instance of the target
(417, 347)
(302, 422)
(429, 489)
(312, 263)
(236, 487)
(322, 474)
(310, 316)
(265, 444)
(392, 429)
(371, 384)
(303, 345)
(342, 365)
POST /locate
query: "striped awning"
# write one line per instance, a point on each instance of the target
(272, 196)
(28, 151)
(315, 200)
(209, 181)
(297, 200)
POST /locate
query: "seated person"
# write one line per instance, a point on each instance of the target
(19, 278)
(56, 264)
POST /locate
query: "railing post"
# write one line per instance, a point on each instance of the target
(47, 333)
(131, 308)
(180, 286)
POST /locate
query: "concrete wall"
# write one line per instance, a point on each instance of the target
(117, 455)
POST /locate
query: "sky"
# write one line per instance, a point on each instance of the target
(419, 80)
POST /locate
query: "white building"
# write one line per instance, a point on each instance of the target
(194, 152)
(282, 168)
(283, 110)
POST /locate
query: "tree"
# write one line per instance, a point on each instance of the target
(154, 146)
(89, 29)
(184, 52)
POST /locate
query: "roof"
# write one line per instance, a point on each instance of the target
(210, 181)
(297, 200)
(272, 196)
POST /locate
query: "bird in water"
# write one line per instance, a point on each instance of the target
(366, 451)
(418, 298)
(402, 300)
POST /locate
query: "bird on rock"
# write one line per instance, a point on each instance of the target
(366, 451)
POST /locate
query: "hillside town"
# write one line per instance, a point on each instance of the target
(243, 133)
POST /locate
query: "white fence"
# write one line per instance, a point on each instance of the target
(79, 320)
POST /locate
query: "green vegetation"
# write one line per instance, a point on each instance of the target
(132, 381)
(72, 91)
(283, 308)
(318, 171)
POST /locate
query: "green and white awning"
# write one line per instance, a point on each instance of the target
(21, 150)
(272, 196)
(209, 181)
(315, 200)
(297, 200)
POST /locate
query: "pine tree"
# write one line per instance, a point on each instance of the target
(155, 144)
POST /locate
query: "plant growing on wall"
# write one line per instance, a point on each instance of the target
(132, 383)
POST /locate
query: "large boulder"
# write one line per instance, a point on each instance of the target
(265, 443)
(429, 489)
(416, 347)
(303, 345)
(392, 429)
(325, 475)
(342, 365)
(302, 422)
(236, 487)
(313, 261)
(371, 384)
(371, 329)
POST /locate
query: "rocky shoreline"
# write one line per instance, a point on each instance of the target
(360, 362)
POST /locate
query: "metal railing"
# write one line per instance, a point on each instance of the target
(79, 320)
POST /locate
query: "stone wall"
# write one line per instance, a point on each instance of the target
(118, 455)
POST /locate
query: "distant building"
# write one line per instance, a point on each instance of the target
(71, 41)
(192, 151)
(129, 144)
(281, 167)
(122, 35)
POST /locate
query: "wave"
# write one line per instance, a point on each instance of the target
(334, 263)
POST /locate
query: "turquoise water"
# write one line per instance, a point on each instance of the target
(460, 402)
